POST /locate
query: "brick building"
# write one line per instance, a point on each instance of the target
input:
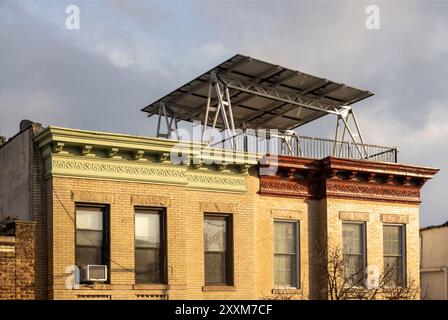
(172, 219)
(17, 260)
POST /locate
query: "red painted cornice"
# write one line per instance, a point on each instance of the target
(343, 178)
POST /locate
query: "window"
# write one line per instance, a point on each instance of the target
(150, 252)
(218, 250)
(286, 258)
(394, 247)
(91, 236)
(354, 251)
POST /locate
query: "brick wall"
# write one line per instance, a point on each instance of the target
(253, 217)
(38, 213)
(375, 214)
(185, 216)
(17, 261)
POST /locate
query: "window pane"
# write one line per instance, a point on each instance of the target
(88, 255)
(354, 269)
(393, 269)
(89, 238)
(217, 257)
(393, 253)
(285, 237)
(147, 265)
(285, 254)
(284, 268)
(147, 229)
(89, 218)
(148, 239)
(392, 240)
(215, 234)
(215, 264)
(352, 238)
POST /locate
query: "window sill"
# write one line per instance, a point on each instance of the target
(286, 290)
(218, 288)
(95, 286)
(151, 286)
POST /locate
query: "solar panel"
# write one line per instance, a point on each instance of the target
(257, 92)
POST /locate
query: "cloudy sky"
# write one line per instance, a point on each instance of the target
(128, 54)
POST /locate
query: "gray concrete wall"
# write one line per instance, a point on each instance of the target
(434, 257)
(15, 176)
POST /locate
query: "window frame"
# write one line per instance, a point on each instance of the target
(403, 247)
(105, 248)
(297, 267)
(163, 250)
(229, 253)
(363, 238)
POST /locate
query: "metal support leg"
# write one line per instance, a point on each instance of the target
(169, 123)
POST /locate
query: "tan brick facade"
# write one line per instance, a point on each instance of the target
(253, 217)
(84, 167)
(406, 214)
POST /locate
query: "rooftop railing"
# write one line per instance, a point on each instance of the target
(307, 147)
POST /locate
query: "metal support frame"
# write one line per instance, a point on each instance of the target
(346, 119)
(343, 123)
(170, 122)
(219, 88)
(278, 95)
(287, 140)
(224, 108)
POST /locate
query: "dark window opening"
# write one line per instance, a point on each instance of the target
(92, 236)
(218, 250)
(150, 246)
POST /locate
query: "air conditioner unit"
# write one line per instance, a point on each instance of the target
(93, 272)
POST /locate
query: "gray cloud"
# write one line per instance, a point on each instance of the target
(128, 54)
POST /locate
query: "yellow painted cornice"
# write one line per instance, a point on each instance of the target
(98, 139)
(111, 156)
(58, 138)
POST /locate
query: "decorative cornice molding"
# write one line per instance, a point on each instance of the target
(86, 149)
(138, 154)
(231, 183)
(343, 178)
(112, 152)
(369, 191)
(80, 167)
(138, 146)
(57, 147)
(283, 187)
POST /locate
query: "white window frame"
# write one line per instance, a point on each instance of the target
(297, 269)
(363, 225)
(403, 250)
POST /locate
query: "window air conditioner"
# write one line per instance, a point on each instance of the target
(93, 272)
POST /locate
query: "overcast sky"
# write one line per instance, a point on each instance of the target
(128, 54)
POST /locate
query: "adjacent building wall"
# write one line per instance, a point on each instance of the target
(17, 259)
(15, 177)
(23, 193)
(434, 262)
